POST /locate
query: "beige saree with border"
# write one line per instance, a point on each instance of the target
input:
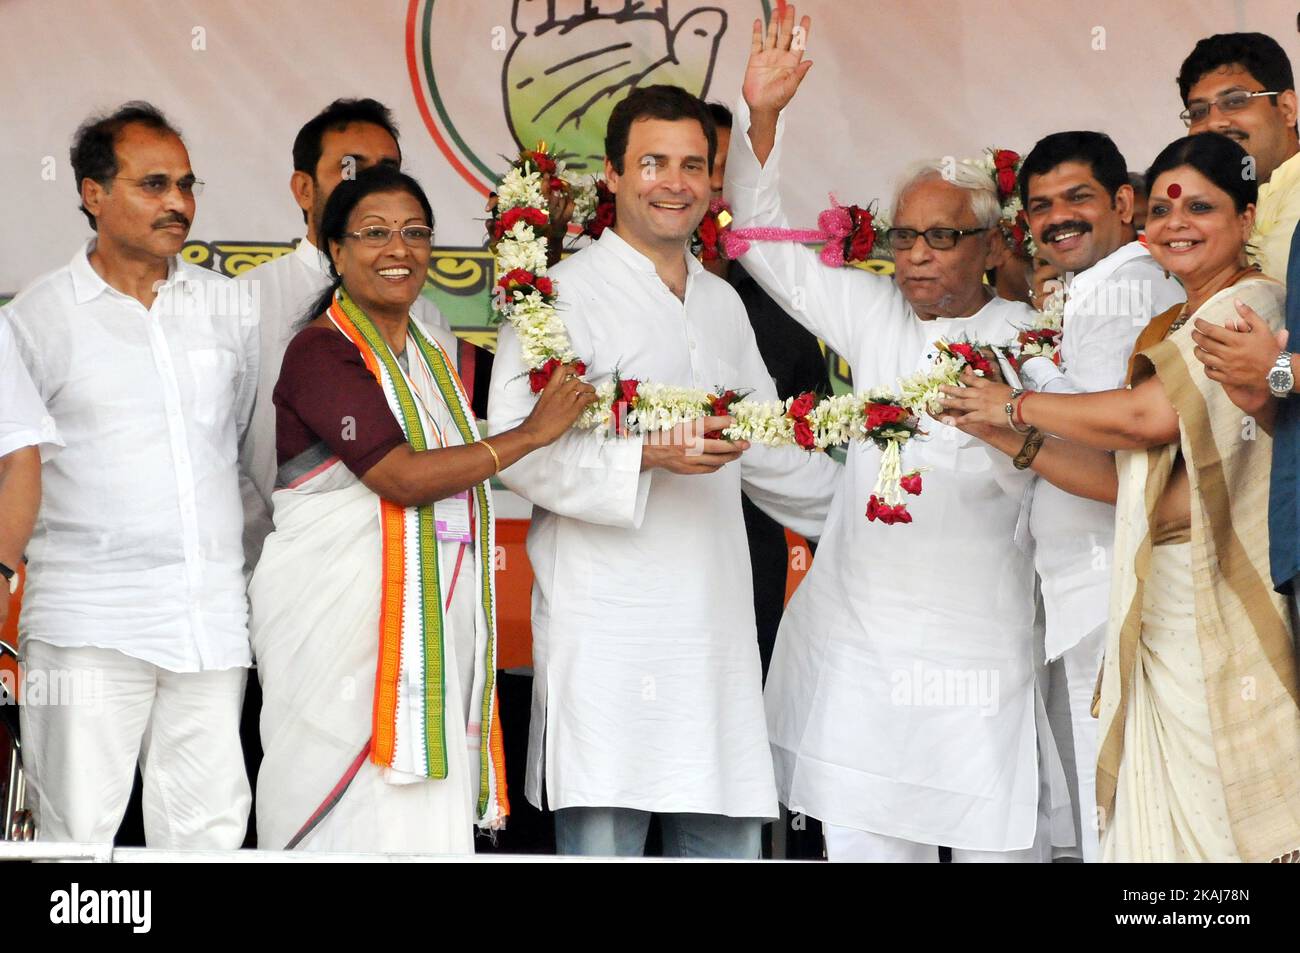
(1199, 708)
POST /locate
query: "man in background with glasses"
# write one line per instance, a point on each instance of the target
(904, 720)
(135, 605)
(1241, 85)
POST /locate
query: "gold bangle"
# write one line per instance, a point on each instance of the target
(1033, 443)
(495, 458)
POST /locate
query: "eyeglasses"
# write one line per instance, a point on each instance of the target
(1232, 102)
(377, 236)
(940, 239)
(162, 184)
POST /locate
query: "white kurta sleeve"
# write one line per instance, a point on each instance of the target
(789, 484)
(24, 421)
(1042, 374)
(836, 304)
(586, 476)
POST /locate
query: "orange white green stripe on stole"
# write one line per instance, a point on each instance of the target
(409, 730)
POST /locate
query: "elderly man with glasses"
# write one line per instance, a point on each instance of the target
(902, 702)
(135, 604)
(1241, 85)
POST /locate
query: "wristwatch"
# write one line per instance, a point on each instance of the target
(11, 578)
(1281, 379)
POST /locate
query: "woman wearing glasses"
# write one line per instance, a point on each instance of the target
(1199, 729)
(373, 604)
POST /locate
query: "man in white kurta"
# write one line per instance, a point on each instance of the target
(1113, 289)
(901, 700)
(647, 695)
(346, 137)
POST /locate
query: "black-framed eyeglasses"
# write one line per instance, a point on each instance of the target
(162, 184)
(1232, 102)
(377, 236)
(940, 239)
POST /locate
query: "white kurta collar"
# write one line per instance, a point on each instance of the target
(616, 245)
(311, 256)
(1091, 277)
(87, 283)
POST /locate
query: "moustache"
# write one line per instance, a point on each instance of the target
(1050, 233)
(173, 219)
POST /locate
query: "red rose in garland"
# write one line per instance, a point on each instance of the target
(862, 239)
(624, 398)
(879, 415)
(531, 216)
(799, 410)
(972, 356)
(803, 405)
(541, 376)
(911, 483)
(1004, 163)
(720, 406)
(604, 215)
(541, 161)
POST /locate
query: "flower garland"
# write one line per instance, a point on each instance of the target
(1003, 166)
(525, 296)
(1043, 337)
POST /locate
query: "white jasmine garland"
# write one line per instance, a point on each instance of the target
(520, 189)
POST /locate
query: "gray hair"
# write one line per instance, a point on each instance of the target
(965, 175)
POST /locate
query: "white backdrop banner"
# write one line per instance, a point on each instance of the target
(470, 81)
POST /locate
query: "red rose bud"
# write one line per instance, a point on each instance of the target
(544, 163)
(1006, 182)
(803, 435)
(860, 242)
(531, 216)
(901, 515)
(911, 483)
(544, 285)
(802, 405)
(540, 377)
(873, 508)
(878, 415)
(626, 388)
(721, 405)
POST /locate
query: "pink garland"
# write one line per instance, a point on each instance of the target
(833, 226)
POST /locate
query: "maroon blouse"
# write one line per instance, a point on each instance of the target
(328, 405)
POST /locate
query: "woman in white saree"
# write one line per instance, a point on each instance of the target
(1199, 700)
(373, 613)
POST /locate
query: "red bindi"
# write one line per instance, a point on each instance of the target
(1175, 190)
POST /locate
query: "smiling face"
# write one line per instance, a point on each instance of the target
(384, 280)
(1193, 229)
(945, 283)
(127, 215)
(1074, 220)
(664, 190)
(1263, 128)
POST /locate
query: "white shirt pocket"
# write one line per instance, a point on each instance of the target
(212, 384)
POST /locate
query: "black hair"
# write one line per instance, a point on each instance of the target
(1094, 149)
(338, 209)
(655, 102)
(1218, 158)
(1139, 183)
(94, 144)
(721, 115)
(1260, 55)
(338, 115)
